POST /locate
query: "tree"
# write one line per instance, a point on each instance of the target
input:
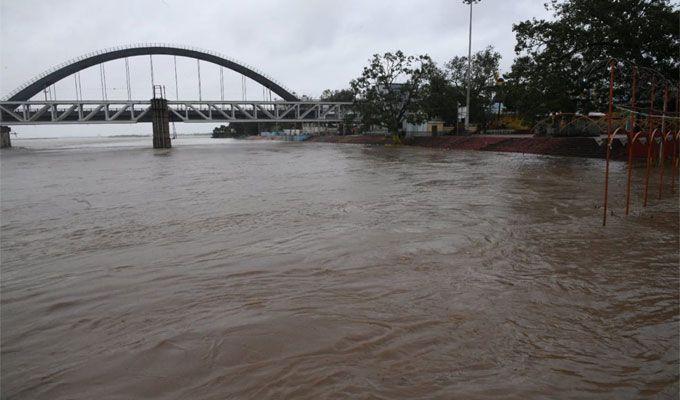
(337, 95)
(562, 62)
(222, 131)
(391, 90)
(442, 98)
(483, 86)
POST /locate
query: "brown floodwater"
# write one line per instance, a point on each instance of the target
(264, 270)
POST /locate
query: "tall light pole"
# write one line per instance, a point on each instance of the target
(469, 69)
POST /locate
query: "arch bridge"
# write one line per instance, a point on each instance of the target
(18, 108)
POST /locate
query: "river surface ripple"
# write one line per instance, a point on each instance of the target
(263, 270)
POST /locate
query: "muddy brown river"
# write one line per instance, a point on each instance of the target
(265, 270)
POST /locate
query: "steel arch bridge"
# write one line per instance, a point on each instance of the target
(18, 109)
(70, 67)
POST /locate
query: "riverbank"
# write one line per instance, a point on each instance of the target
(563, 146)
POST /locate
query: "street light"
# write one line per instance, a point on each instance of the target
(469, 69)
(499, 87)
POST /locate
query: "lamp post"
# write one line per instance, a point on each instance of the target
(499, 95)
(469, 69)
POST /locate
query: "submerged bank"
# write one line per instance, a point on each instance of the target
(563, 146)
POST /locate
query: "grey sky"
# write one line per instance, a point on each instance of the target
(307, 45)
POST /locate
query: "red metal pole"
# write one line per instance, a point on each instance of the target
(630, 173)
(630, 140)
(663, 140)
(609, 134)
(674, 163)
(674, 142)
(676, 147)
(676, 138)
(632, 100)
(650, 136)
(662, 151)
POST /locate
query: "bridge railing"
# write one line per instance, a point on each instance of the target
(133, 111)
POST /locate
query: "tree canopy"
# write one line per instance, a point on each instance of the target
(561, 66)
(337, 95)
(442, 98)
(392, 89)
(483, 77)
(561, 62)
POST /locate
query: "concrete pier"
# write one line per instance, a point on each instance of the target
(5, 142)
(161, 123)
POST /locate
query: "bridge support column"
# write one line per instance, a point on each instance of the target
(5, 142)
(161, 123)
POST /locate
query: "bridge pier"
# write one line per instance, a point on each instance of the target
(161, 123)
(5, 142)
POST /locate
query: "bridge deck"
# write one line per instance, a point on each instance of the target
(134, 111)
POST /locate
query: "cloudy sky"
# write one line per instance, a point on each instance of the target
(309, 45)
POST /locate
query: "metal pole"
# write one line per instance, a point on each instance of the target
(176, 86)
(101, 80)
(222, 83)
(650, 138)
(75, 81)
(80, 86)
(676, 137)
(674, 164)
(198, 66)
(663, 139)
(631, 138)
(469, 76)
(127, 78)
(609, 137)
(152, 81)
(106, 91)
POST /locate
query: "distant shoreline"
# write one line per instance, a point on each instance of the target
(585, 147)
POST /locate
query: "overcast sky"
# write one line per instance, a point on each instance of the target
(308, 45)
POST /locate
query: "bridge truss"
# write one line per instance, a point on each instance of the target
(134, 111)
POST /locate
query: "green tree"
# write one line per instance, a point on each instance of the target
(222, 131)
(562, 63)
(442, 98)
(483, 78)
(337, 95)
(391, 90)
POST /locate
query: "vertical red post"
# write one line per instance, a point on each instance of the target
(674, 164)
(675, 148)
(650, 138)
(663, 139)
(631, 135)
(676, 139)
(609, 135)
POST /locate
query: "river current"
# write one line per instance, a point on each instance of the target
(225, 269)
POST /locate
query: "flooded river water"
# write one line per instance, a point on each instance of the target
(268, 270)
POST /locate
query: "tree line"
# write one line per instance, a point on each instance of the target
(560, 66)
